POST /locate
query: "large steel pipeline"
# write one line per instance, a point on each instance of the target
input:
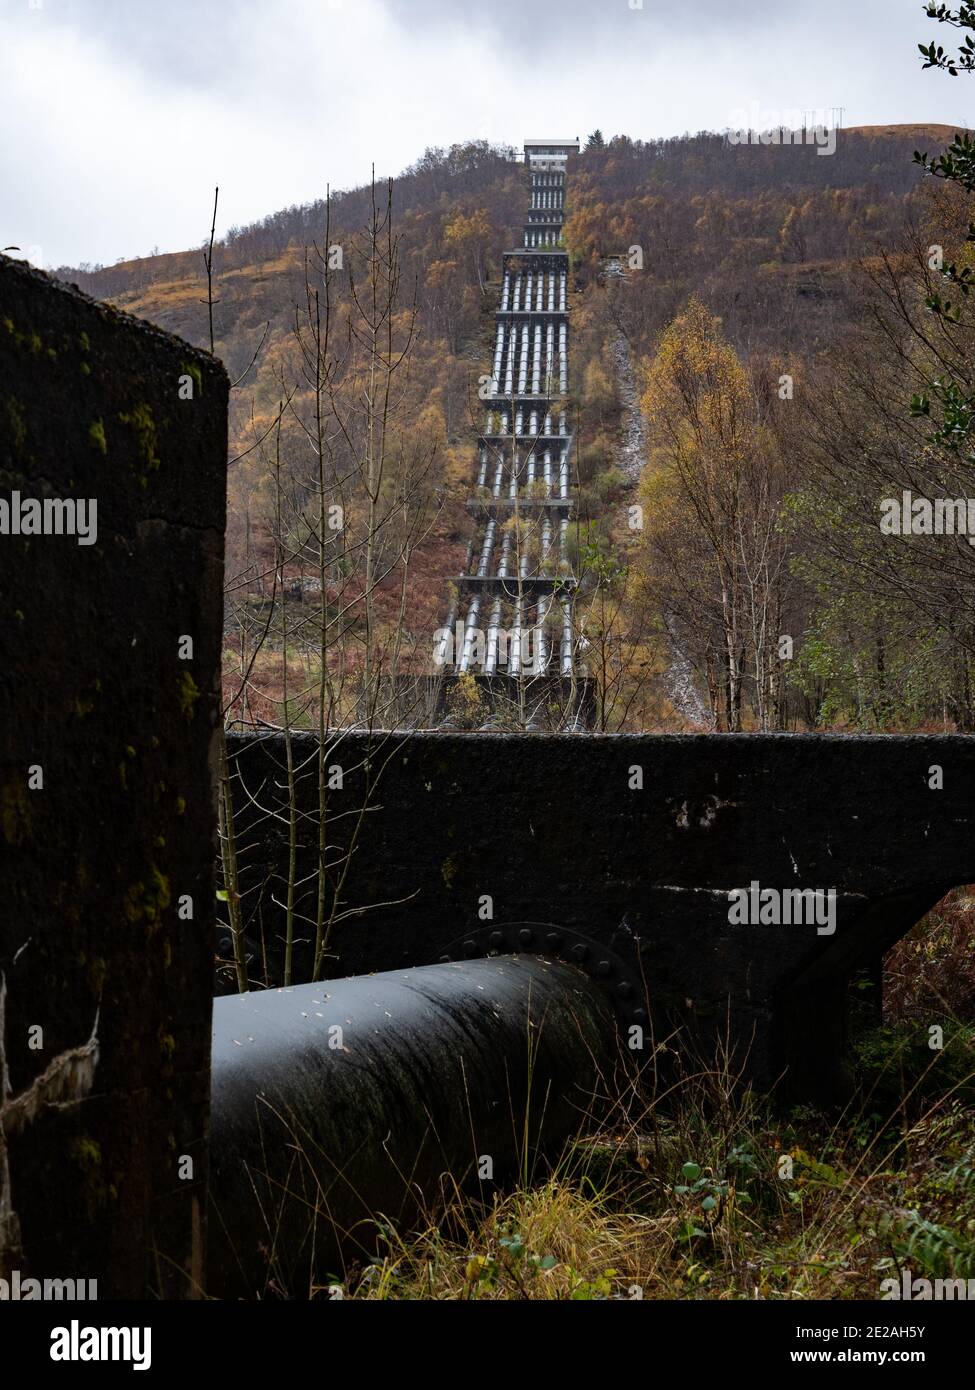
(338, 1104)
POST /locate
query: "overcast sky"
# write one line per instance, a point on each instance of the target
(117, 117)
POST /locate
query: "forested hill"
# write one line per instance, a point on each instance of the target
(765, 235)
(260, 268)
(703, 211)
(756, 243)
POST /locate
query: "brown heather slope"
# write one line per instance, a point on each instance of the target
(923, 130)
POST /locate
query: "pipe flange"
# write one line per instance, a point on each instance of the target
(614, 976)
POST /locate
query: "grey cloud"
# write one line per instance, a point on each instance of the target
(151, 102)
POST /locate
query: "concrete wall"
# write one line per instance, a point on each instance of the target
(97, 701)
(551, 829)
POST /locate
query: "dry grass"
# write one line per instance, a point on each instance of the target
(714, 1196)
(710, 1192)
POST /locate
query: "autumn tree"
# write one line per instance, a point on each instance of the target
(896, 607)
(469, 236)
(712, 495)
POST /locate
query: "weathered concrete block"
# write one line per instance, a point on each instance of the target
(634, 841)
(108, 717)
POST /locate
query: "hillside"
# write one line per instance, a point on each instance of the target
(766, 237)
(928, 131)
(696, 200)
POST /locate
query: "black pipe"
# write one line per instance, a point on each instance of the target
(336, 1104)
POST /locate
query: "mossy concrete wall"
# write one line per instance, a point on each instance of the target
(634, 841)
(109, 700)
